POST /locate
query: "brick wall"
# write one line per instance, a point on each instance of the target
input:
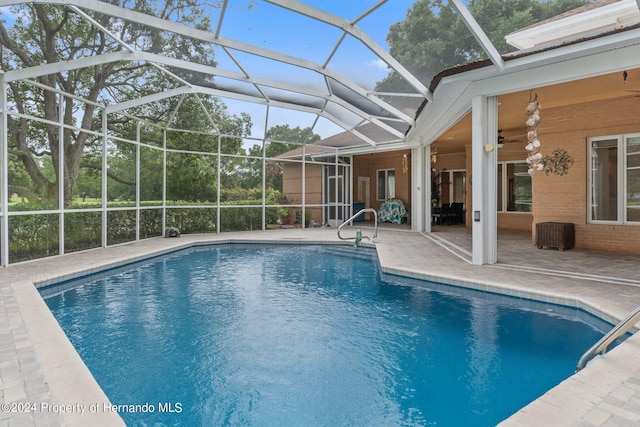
(512, 151)
(364, 165)
(564, 198)
(367, 165)
(514, 221)
(292, 186)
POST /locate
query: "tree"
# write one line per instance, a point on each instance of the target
(282, 138)
(21, 184)
(433, 38)
(49, 34)
(279, 139)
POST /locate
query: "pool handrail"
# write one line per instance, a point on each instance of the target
(374, 239)
(602, 346)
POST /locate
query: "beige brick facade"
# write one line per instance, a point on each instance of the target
(367, 166)
(564, 198)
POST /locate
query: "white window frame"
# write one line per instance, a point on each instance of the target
(450, 173)
(621, 206)
(504, 185)
(386, 184)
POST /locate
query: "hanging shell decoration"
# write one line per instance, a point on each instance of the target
(534, 158)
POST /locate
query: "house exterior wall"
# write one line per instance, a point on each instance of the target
(514, 151)
(447, 162)
(564, 198)
(506, 220)
(363, 165)
(292, 187)
(368, 164)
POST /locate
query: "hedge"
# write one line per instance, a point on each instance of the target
(36, 236)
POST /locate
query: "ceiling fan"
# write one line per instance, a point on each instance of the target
(502, 139)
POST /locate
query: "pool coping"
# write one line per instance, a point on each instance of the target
(60, 361)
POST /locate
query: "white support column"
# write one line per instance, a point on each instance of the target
(264, 181)
(265, 142)
(429, 165)
(164, 181)
(61, 174)
(138, 174)
(304, 179)
(218, 221)
(4, 176)
(419, 195)
(338, 202)
(105, 165)
(484, 154)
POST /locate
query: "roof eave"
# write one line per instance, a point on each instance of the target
(453, 89)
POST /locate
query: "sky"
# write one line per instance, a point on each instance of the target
(268, 26)
(271, 27)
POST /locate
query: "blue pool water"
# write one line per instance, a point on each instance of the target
(298, 336)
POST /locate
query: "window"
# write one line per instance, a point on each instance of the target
(386, 184)
(614, 181)
(452, 186)
(514, 188)
(633, 179)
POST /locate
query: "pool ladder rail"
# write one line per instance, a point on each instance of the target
(358, 237)
(602, 346)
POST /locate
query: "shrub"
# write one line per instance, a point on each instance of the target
(36, 236)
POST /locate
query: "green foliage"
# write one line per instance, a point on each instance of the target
(42, 33)
(19, 181)
(36, 236)
(280, 139)
(191, 177)
(82, 230)
(192, 220)
(89, 184)
(121, 227)
(33, 236)
(233, 195)
(289, 138)
(150, 223)
(433, 38)
(241, 219)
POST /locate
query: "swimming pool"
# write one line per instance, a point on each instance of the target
(297, 335)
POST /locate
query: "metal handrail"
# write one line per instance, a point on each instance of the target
(602, 346)
(374, 239)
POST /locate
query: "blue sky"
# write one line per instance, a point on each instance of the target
(271, 27)
(274, 28)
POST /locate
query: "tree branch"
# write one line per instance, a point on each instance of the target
(110, 174)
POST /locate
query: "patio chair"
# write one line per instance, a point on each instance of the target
(456, 213)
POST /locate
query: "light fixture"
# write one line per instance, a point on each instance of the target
(434, 155)
(405, 163)
(500, 142)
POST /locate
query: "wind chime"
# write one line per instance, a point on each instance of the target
(534, 158)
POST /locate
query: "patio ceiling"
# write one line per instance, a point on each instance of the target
(511, 116)
(263, 65)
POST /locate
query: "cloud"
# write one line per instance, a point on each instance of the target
(379, 64)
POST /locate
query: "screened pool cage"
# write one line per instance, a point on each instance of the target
(88, 163)
(140, 186)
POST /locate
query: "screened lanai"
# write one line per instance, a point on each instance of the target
(121, 121)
